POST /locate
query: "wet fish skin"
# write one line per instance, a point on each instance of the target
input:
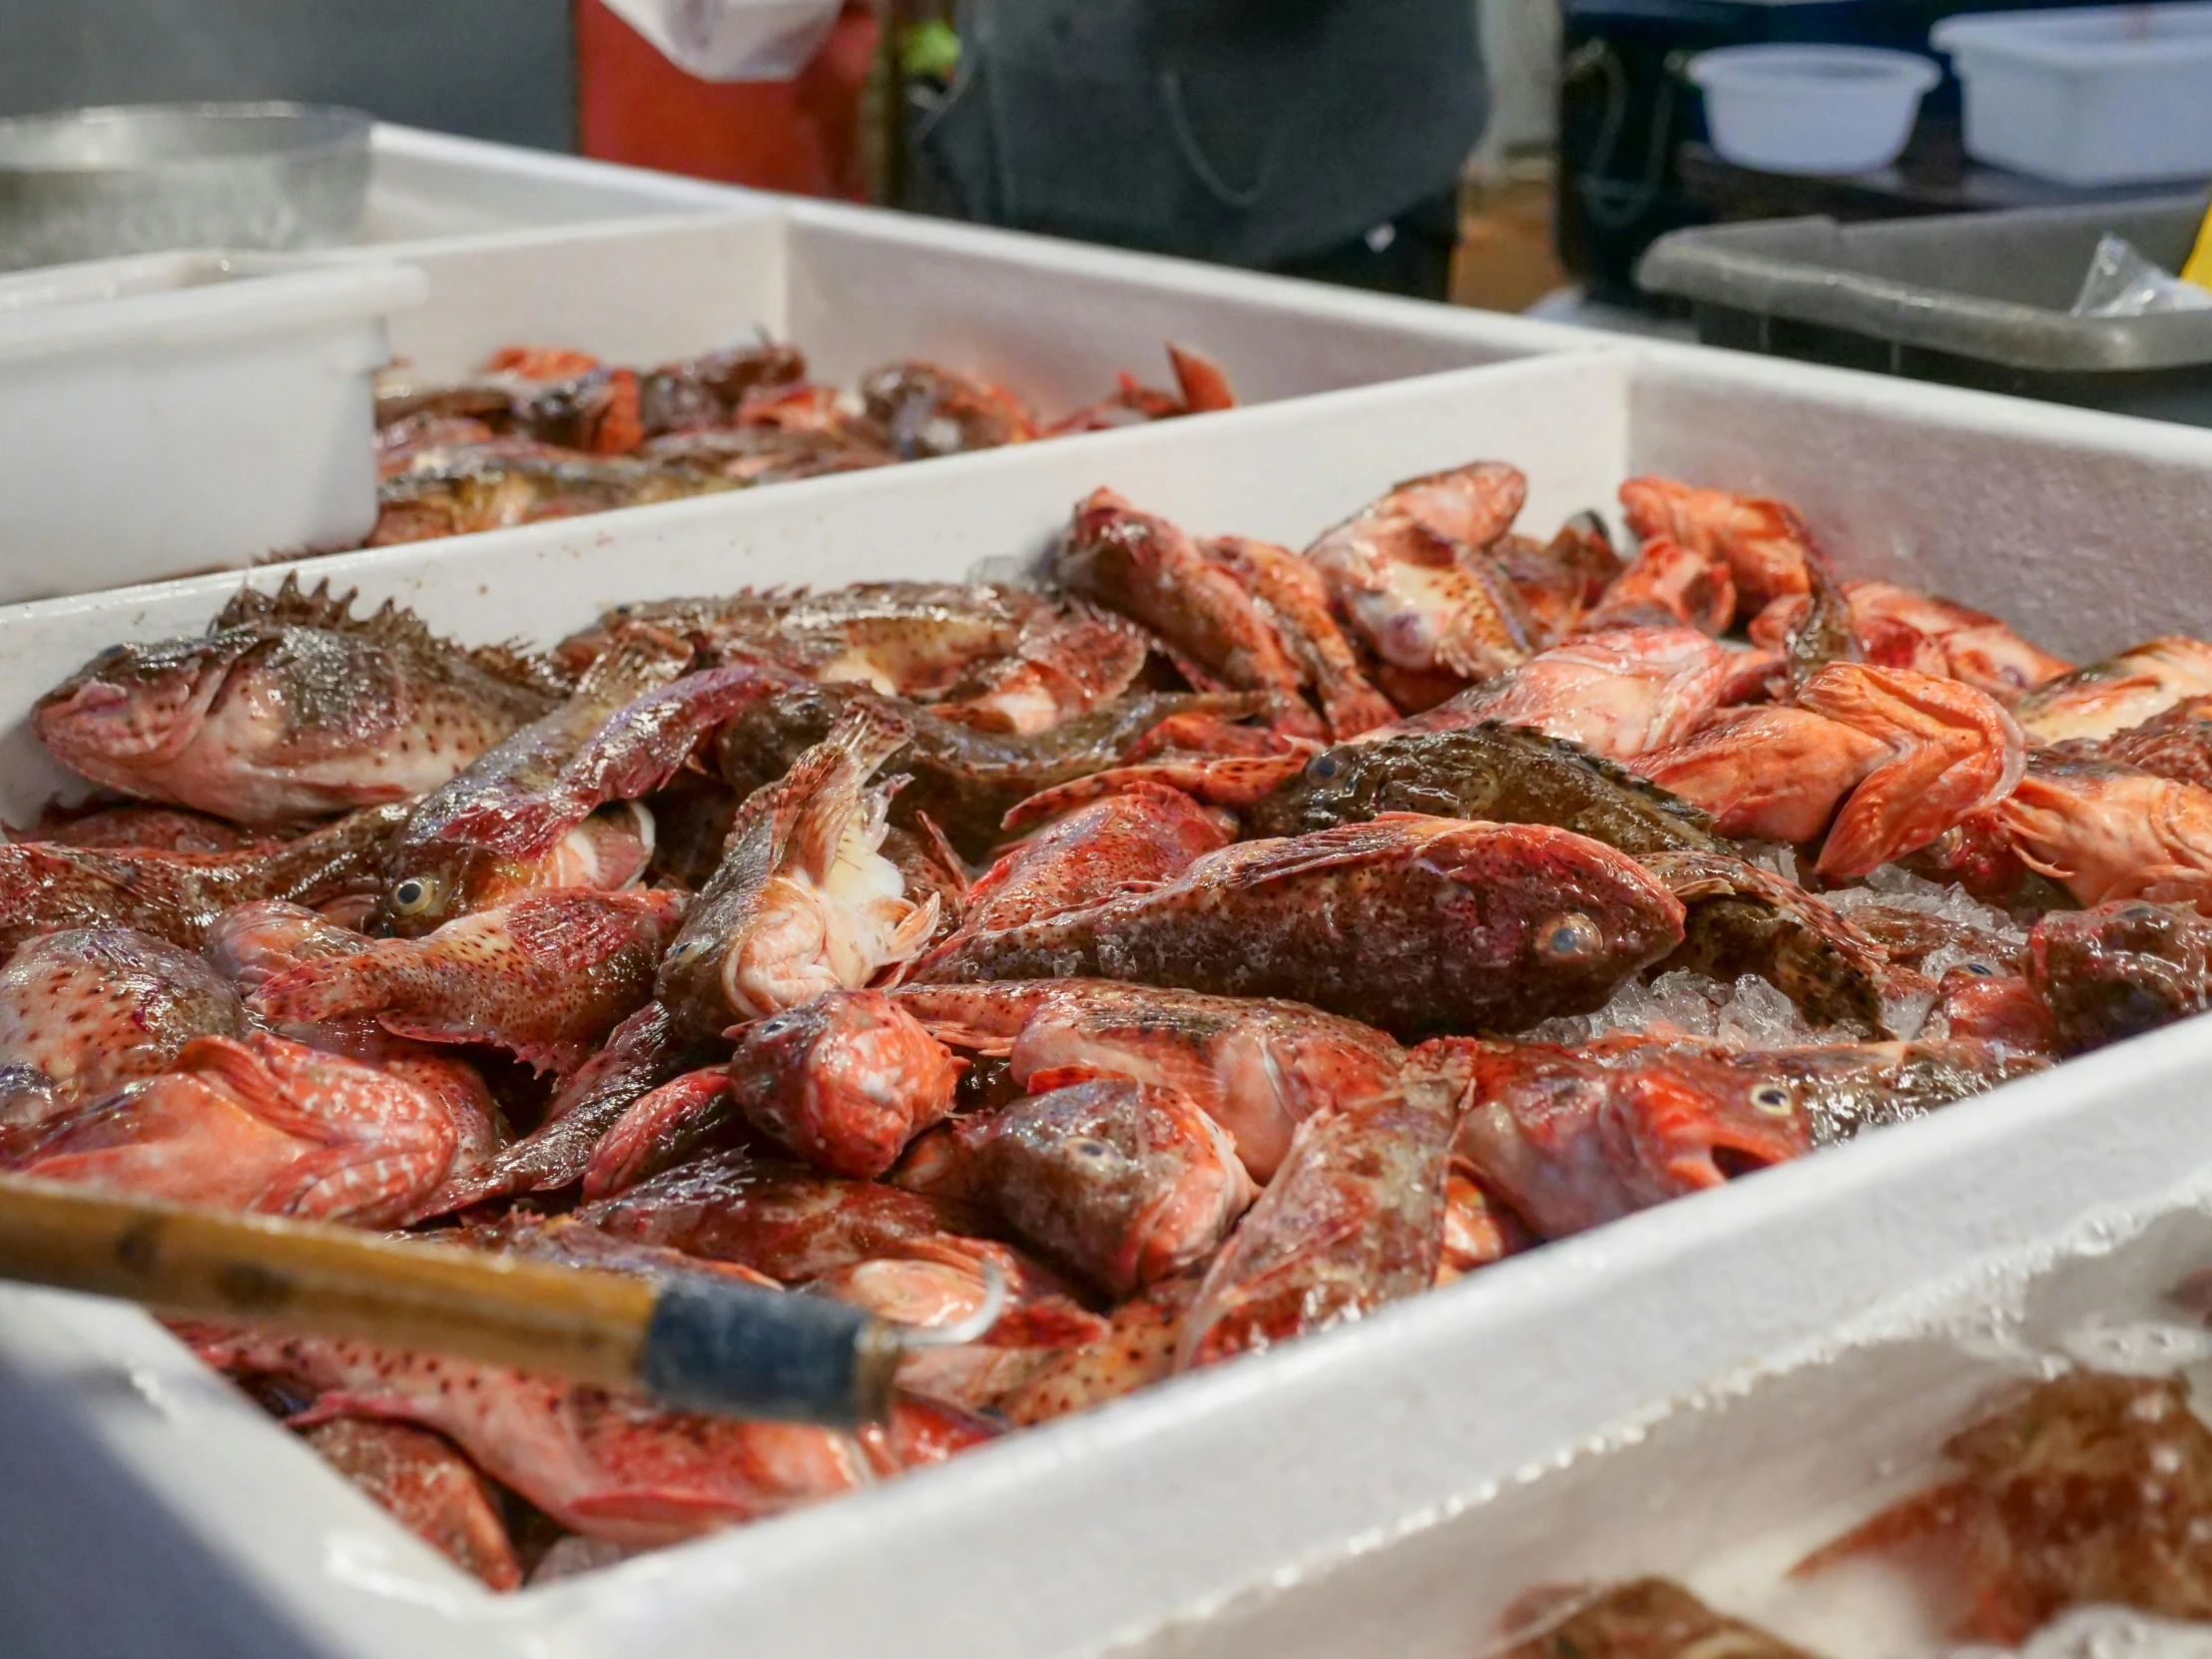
(426, 1486)
(436, 868)
(845, 1082)
(802, 902)
(1844, 1089)
(46, 886)
(605, 1463)
(288, 708)
(1741, 920)
(1569, 1141)
(1257, 1069)
(1353, 1220)
(1492, 771)
(546, 978)
(964, 779)
(1645, 1618)
(777, 1217)
(260, 1123)
(2119, 970)
(1118, 1182)
(1457, 926)
(95, 1008)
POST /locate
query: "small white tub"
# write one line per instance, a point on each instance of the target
(179, 412)
(1812, 109)
(2099, 95)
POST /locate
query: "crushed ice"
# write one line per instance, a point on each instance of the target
(2106, 1633)
(1747, 1015)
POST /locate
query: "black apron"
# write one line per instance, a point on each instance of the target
(1251, 132)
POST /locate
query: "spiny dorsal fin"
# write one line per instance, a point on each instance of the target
(289, 607)
(389, 625)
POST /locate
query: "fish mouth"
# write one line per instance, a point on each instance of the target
(154, 718)
(1734, 1162)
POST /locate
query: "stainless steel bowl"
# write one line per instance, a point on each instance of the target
(86, 184)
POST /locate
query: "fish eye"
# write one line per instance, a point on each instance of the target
(1771, 1100)
(415, 895)
(1323, 767)
(1572, 938)
(1092, 1151)
(1981, 970)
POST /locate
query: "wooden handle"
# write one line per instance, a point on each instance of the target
(695, 1340)
(184, 1259)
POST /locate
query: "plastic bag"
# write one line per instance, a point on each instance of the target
(2121, 282)
(733, 40)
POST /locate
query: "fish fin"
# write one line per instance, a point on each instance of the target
(570, 931)
(291, 606)
(954, 1034)
(345, 1186)
(332, 987)
(825, 786)
(1203, 382)
(354, 1403)
(256, 1087)
(909, 937)
(639, 659)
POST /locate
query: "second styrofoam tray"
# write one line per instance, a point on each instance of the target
(855, 288)
(1178, 1521)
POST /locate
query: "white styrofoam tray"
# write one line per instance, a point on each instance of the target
(426, 187)
(854, 288)
(1344, 1479)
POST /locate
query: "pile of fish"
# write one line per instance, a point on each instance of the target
(548, 433)
(1215, 942)
(2087, 1494)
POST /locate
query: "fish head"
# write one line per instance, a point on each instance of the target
(138, 706)
(845, 1080)
(1701, 1122)
(1573, 917)
(2120, 969)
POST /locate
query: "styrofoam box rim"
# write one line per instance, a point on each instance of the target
(1140, 1524)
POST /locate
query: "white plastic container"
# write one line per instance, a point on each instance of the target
(1812, 109)
(184, 412)
(1360, 1493)
(2103, 95)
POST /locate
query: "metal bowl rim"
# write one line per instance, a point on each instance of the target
(353, 130)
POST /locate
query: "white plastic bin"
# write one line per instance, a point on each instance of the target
(1358, 1492)
(183, 411)
(2102, 95)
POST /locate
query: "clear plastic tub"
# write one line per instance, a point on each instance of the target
(177, 412)
(2103, 95)
(1812, 109)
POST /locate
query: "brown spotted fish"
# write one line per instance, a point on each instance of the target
(1257, 1068)
(46, 886)
(1120, 1183)
(545, 977)
(291, 706)
(1411, 923)
(1646, 1618)
(1567, 1141)
(1353, 1220)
